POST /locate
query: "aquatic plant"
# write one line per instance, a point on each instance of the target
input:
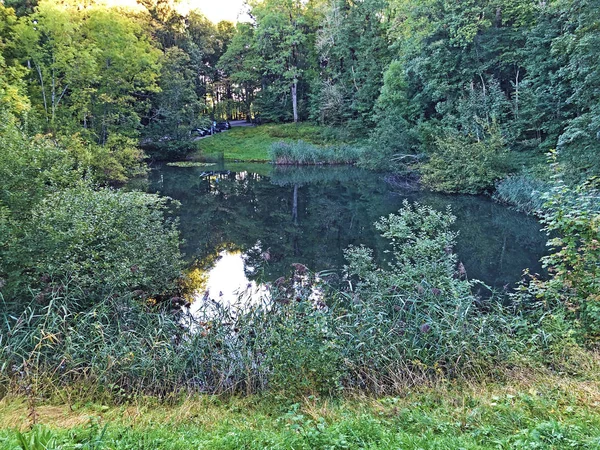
(301, 153)
(524, 193)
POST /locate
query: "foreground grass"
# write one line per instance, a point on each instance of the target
(253, 143)
(550, 412)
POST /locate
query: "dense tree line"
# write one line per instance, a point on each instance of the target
(430, 79)
(104, 78)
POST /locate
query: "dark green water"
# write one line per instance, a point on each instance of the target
(309, 215)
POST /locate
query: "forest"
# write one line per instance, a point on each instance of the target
(385, 155)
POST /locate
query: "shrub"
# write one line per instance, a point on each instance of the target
(419, 317)
(523, 192)
(31, 168)
(572, 219)
(460, 164)
(103, 242)
(564, 310)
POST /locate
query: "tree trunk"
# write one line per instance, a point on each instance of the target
(295, 99)
(39, 71)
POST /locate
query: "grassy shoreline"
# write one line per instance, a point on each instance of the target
(532, 411)
(252, 144)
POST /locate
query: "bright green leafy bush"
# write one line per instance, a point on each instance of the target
(462, 164)
(31, 168)
(99, 242)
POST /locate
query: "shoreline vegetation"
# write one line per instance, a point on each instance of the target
(520, 189)
(302, 153)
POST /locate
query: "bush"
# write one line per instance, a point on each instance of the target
(523, 192)
(103, 242)
(461, 165)
(572, 219)
(564, 310)
(31, 168)
(419, 317)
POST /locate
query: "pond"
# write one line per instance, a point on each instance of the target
(234, 217)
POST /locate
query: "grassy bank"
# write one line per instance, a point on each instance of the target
(533, 411)
(253, 143)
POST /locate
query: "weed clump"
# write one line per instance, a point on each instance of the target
(523, 192)
(303, 153)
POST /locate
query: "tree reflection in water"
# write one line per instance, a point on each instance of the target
(309, 215)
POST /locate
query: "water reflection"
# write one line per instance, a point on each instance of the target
(227, 284)
(309, 215)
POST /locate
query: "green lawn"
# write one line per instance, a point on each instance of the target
(553, 413)
(252, 143)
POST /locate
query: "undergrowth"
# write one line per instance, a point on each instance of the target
(524, 193)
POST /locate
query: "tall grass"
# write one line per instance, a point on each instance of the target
(415, 322)
(118, 347)
(303, 153)
(522, 192)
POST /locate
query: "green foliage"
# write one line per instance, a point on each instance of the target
(83, 77)
(38, 438)
(304, 352)
(177, 108)
(353, 50)
(282, 46)
(523, 66)
(302, 153)
(427, 319)
(113, 163)
(242, 63)
(116, 345)
(13, 98)
(31, 167)
(572, 219)
(463, 164)
(523, 192)
(94, 242)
